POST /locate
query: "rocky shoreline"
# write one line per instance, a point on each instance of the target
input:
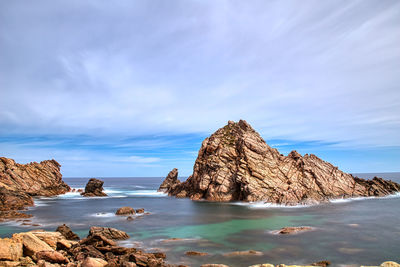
(236, 164)
(19, 183)
(63, 248)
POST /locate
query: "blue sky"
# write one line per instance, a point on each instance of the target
(132, 88)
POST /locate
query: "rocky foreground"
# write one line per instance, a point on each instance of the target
(236, 164)
(99, 249)
(20, 182)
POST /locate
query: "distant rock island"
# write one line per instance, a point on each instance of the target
(236, 164)
(20, 182)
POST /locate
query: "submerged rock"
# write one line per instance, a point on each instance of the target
(236, 164)
(94, 188)
(195, 253)
(243, 253)
(125, 211)
(293, 230)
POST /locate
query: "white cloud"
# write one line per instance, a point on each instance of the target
(325, 70)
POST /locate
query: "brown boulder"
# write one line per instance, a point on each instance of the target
(125, 211)
(110, 233)
(67, 232)
(93, 262)
(236, 164)
(140, 210)
(51, 256)
(32, 243)
(243, 253)
(321, 263)
(196, 253)
(293, 230)
(10, 250)
(94, 188)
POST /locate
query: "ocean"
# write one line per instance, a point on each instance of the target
(349, 231)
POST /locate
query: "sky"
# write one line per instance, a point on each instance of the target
(131, 88)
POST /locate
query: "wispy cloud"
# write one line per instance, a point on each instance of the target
(324, 71)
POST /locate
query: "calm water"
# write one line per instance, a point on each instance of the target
(365, 231)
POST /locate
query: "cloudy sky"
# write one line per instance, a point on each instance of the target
(131, 88)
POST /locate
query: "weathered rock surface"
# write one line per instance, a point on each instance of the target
(36, 248)
(94, 188)
(243, 253)
(125, 211)
(236, 164)
(32, 244)
(19, 182)
(67, 232)
(293, 230)
(110, 233)
(195, 253)
(170, 181)
(10, 250)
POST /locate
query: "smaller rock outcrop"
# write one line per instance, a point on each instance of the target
(125, 211)
(94, 188)
(110, 233)
(293, 230)
(170, 181)
(195, 253)
(67, 232)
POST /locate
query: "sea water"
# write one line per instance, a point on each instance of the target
(346, 231)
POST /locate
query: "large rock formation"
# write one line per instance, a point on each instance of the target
(235, 164)
(19, 182)
(94, 188)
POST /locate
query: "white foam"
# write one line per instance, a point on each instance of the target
(147, 193)
(103, 214)
(267, 205)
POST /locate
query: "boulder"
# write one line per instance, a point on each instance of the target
(10, 263)
(293, 230)
(10, 250)
(94, 262)
(51, 256)
(236, 164)
(263, 265)
(94, 188)
(125, 211)
(321, 263)
(196, 253)
(32, 243)
(50, 238)
(390, 264)
(67, 232)
(140, 210)
(243, 253)
(110, 233)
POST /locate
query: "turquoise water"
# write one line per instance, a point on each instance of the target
(346, 232)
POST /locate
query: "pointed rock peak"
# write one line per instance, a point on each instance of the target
(170, 181)
(294, 155)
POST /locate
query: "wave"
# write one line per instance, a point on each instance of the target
(147, 193)
(264, 205)
(103, 214)
(267, 205)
